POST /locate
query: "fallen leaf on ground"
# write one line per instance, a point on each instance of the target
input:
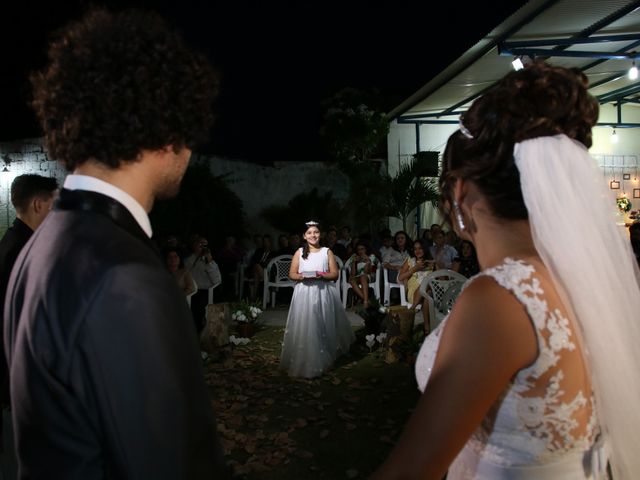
(303, 454)
(351, 473)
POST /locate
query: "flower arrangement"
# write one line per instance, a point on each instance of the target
(245, 312)
(371, 340)
(623, 203)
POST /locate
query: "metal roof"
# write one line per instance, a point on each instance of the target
(601, 37)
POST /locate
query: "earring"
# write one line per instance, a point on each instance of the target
(458, 214)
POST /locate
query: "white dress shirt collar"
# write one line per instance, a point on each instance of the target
(93, 184)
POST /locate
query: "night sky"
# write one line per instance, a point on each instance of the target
(278, 60)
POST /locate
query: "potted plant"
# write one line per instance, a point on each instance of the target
(246, 315)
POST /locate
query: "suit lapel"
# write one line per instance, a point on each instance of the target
(87, 201)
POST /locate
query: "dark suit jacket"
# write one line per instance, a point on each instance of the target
(105, 368)
(14, 239)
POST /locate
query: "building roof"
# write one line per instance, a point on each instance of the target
(601, 37)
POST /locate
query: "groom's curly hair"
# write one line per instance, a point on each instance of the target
(539, 100)
(119, 83)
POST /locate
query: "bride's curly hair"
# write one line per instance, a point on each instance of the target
(539, 100)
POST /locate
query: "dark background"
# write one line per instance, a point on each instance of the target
(278, 60)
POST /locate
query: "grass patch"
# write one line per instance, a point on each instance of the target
(340, 425)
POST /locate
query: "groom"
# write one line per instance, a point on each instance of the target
(105, 369)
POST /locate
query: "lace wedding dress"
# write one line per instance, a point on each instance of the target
(544, 424)
(317, 330)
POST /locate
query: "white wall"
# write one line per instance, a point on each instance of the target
(401, 145)
(614, 159)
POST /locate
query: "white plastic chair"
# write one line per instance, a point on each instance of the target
(389, 285)
(346, 285)
(211, 288)
(195, 289)
(441, 288)
(280, 266)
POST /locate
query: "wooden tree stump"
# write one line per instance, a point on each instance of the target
(214, 338)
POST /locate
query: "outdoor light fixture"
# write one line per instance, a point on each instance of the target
(633, 71)
(614, 136)
(7, 161)
(518, 65)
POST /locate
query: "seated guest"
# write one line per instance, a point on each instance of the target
(362, 266)
(393, 259)
(442, 253)
(345, 236)
(378, 242)
(332, 244)
(258, 263)
(294, 242)
(206, 274)
(467, 262)
(283, 245)
(228, 258)
(180, 273)
(452, 238)
(386, 247)
(426, 236)
(413, 271)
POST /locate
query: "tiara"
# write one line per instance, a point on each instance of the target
(465, 131)
(312, 223)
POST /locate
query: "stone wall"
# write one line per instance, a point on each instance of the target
(25, 156)
(258, 186)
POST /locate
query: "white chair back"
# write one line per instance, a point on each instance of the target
(276, 275)
(441, 288)
(211, 288)
(389, 285)
(195, 289)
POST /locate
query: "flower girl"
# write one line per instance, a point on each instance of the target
(317, 330)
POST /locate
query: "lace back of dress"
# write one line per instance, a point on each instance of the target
(553, 399)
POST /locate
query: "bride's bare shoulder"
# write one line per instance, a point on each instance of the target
(490, 317)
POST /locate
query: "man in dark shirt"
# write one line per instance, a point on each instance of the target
(31, 196)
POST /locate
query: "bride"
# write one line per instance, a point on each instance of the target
(534, 374)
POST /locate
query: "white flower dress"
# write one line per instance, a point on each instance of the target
(318, 330)
(543, 426)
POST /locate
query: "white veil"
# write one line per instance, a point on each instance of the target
(572, 219)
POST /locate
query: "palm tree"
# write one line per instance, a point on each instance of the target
(408, 191)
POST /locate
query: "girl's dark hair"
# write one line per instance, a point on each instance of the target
(167, 250)
(408, 244)
(474, 254)
(539, 100)
(367, 247)
(305, 247)
(426, 248)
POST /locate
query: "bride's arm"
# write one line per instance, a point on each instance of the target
(487, 339)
